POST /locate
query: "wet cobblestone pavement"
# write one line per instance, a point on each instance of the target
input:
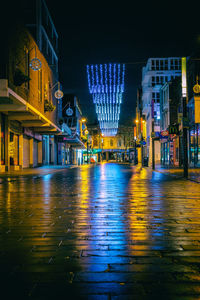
(100, 232)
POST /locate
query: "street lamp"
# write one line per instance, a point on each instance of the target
(184, 118)
(86, 132)
(83, 120)
(102, 135)
(58, 93)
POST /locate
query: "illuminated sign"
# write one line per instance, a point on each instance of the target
(196, 87)
(197, 109)
(164, 133)
(69, 112)
(184, 83)
(58, 94)
(174, 129)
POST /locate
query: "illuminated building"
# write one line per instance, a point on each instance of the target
(106, 84)
(30, 104)
(156, 72)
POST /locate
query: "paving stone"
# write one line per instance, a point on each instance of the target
(99, 232)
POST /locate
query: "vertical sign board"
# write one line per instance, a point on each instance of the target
(197, 109)
(184, 82)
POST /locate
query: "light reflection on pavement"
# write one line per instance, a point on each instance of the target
(108, 231)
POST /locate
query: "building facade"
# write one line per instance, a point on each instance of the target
(170, 122)
(156, 72)
(193, 92)
(71, 147)
(29, 105)
(115, 148)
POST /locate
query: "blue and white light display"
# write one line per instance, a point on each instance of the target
(106, 84)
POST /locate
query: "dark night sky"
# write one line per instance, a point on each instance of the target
(125, 32)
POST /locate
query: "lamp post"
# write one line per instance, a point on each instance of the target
(83, 120)
(184, 121)
(102, 146)
(152, 135)
(86, 132)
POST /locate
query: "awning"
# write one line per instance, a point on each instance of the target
(73, 141)
(114, 150)
(20, 110)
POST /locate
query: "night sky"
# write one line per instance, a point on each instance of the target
(112, 31)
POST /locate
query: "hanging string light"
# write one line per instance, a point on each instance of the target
(106, 84)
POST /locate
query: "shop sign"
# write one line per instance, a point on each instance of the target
(28, 132)
(164, 133)
(38, 136)
(174, 129)
(197, 109)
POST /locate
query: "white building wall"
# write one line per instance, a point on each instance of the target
(154, 74)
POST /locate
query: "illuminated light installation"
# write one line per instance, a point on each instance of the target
(35, 64)
(106, 84)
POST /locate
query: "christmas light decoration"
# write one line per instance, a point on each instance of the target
(106, 84)
(35, 64)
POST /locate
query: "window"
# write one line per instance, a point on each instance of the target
(119, 143)
(158, 80)
(153, 81)
(156, 97)
(175, 64)
(166, 64)
(161, 65)
(14, 149)
(2, 139)
(111, 143)
(153, 65)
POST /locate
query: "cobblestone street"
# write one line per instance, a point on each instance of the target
(108, 231)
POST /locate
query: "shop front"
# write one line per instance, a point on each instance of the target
(14, 132)
(170, 151)
(194, 145)
(70, 149)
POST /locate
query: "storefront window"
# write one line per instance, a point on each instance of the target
(198, 144)
(14, 149)
(2, 139)
(192, 145)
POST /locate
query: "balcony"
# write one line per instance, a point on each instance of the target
(17, 108)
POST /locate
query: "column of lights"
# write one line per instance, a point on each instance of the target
(106, 84)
